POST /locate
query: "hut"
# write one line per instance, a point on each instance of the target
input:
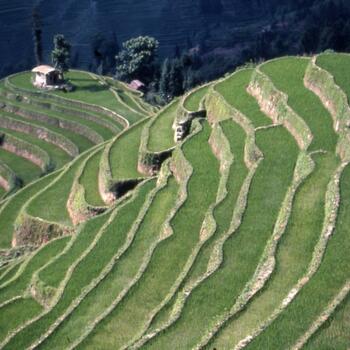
(46, 77)
(137, 85)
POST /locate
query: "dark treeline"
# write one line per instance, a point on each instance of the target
(285, 27)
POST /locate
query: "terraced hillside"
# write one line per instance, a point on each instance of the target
(236, 236)
(41, 132)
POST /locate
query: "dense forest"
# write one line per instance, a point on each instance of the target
(202, 38)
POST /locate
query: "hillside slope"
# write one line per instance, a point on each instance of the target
(236, 236)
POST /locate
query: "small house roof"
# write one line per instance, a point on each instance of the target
(44, 69)
(136, 84)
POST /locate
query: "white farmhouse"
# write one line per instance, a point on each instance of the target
(46, 77)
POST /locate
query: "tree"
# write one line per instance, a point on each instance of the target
(37, 35)
(137, 59)
(61, 53)
(165, 81)
(176, 78)
(104, 51)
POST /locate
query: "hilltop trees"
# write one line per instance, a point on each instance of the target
(104, 50)
(61, 53)
(137, 59)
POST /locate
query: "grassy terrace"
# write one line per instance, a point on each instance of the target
(113, 237)
(80, 141)
(19, 285)
(126, 98)
(56, 154)
(11, 209)
(234, 90)
(338, 66)
(89, 180)
(23, 168)
(334, 334)
(243, 250)
(125, 270)
(288, 76)
(104, 132)
(54, 273)
(161, 134)
(170, 256)
(321, 289)
(295, 250)
(192, 102)
(123, 155)
(69, 110)
(57, 195)
(16, 313)
(88, 90)
(10, 271)
(222, 213)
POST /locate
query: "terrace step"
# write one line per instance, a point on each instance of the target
(118, 168)
(85, 274)
(321, 289)
(177, 264)
(125, 273)
(220, 297)
(303, 230)
(233, 189)
(12, 208)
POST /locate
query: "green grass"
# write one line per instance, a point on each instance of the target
(16, 313)
(56, 117)
(338, 66)
(222, 213)
(320, 290)
(125, 270)
(89, 180)
(123, 155)
(126, 98)
(243, 250)
(54, 273)
(56, 154)
(161, 134)
(2, 192)
(192, 102)
(288, 76)
(11, 209)
(170, 256)
(19, 285)
(57, 195)
(70, 110)
(80, 141)
(88, 269)
(11, 271)
(87, 89)
(23, 168)
(234, 90)
(293, 255)
(334, 334)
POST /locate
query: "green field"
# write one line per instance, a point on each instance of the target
(161, 135)
(234, 90)
(192, 102)
(89, 180)
(239, 239)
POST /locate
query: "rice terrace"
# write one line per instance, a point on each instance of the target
(218, 221)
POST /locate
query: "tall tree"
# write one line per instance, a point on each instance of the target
(176, 78)
(164, 81)
(137, 59)
(61, 53)
(37, 35)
